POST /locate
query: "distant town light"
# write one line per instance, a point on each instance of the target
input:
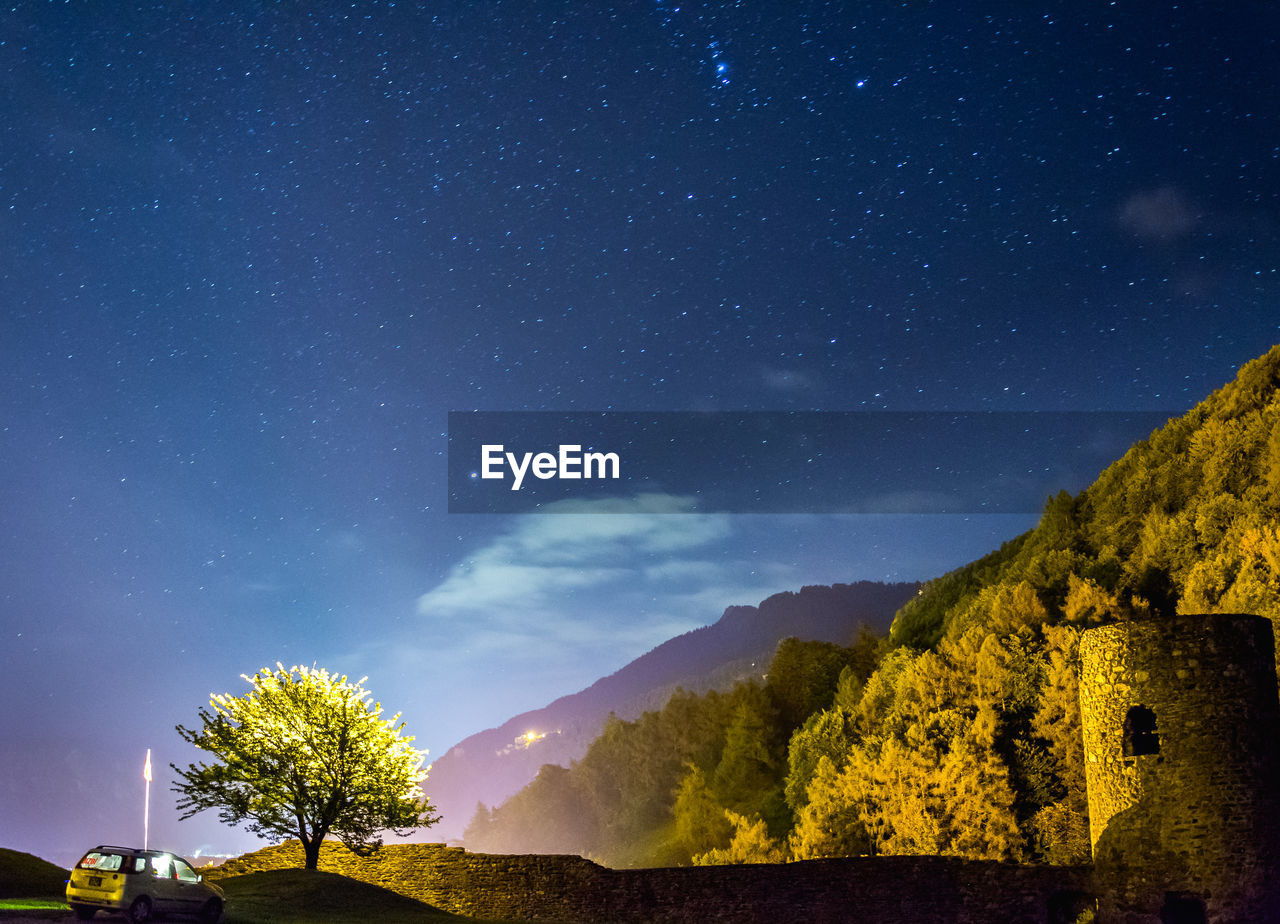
(528, 738)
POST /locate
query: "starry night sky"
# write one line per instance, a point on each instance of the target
(253, 254)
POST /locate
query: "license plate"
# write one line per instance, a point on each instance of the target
(95, 880)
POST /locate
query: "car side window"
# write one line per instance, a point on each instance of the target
(184, 871)
(139, 864)
(162, 866)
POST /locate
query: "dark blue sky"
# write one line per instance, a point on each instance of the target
(253, 254)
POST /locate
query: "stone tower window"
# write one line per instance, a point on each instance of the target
(1140, 732)
(1182, 908)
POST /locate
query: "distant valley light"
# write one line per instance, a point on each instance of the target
(524, 742)
(529, 737)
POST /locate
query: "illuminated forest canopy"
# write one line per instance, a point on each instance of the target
(959, 734)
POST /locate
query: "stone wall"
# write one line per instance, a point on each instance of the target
(879, 890)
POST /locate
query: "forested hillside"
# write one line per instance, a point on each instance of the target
(959, 733)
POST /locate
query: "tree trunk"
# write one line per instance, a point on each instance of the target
(311, 850)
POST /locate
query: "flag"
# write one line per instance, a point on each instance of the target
(146, 768)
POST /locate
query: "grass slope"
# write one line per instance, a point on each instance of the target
(25, 876)
(296, 896)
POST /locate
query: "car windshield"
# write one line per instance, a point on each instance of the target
(105, 862)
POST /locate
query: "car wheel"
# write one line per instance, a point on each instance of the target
(140, 910)
(212, 911)
(83, 912)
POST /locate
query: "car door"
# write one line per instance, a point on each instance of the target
(189, 893)
(163, 884)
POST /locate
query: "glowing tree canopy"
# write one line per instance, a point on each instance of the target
(304, 754)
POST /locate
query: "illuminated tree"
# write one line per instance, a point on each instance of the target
(828, 734)
(830, 821)
(751, 844)
(700, 821)
(304, 754)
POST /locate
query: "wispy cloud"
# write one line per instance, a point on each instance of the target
(558, 600)
(537, 566)
(555, 601)
(1161, 215)
(790, 381)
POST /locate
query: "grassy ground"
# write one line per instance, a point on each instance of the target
(25, 876)
(21, 910)
(31, 889)
(32, 904)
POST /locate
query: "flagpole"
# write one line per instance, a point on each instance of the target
(146, 805)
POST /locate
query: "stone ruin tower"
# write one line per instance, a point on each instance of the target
(1182, 756)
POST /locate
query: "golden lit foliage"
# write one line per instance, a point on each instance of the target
(830, 823)
(1060, 829)
(1057, 717)
(751, 843)
(1000, 609)
(933, 781)
(701, 823)
(895, 793)
(825, 735)
(978, 819)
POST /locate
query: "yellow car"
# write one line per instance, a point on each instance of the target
(144, 884)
